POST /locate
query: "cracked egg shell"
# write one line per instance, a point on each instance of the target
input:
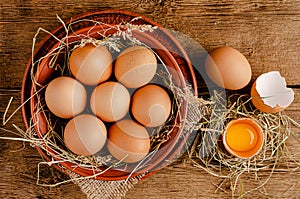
(270, 94)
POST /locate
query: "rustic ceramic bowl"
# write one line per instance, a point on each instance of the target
(166, 47)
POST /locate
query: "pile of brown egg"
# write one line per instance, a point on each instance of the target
(118, 120)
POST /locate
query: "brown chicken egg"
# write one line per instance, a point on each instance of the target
(128, 141)
(90, 64)
(135, 66)
(65, 97)
(85, 135)
(228, 68)
(110, 101)
(151, 105)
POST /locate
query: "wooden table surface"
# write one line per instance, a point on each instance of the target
(266, 32)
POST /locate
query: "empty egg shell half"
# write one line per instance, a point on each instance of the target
(135, 66)
(270, 94)
(85, 135)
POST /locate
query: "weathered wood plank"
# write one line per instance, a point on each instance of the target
(267, 32)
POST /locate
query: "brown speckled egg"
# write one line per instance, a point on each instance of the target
(151, 105)
(110, 101)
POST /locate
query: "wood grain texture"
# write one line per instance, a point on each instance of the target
(266, 32)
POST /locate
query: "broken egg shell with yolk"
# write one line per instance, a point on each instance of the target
(243, 138)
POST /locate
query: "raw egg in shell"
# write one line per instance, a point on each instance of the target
(91, 64)
(128, 141)
(228, 68)
(135, 66)
(151, 105)
(243, 137)
(110, 101)
(65, 97)
(85, 135)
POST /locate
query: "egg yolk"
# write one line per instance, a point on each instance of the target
(241, 137)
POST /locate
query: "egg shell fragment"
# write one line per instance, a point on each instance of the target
(270, 93)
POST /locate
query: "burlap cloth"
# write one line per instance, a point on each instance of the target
(95, 189)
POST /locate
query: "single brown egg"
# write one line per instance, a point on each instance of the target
(128, 141)
(65, 97)
(151, 105)
(85, 135)
(90, 64)
(228, 68)
(135, 66)
(110, 101)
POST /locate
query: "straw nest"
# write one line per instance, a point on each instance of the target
(52, 139)
(208, 152)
